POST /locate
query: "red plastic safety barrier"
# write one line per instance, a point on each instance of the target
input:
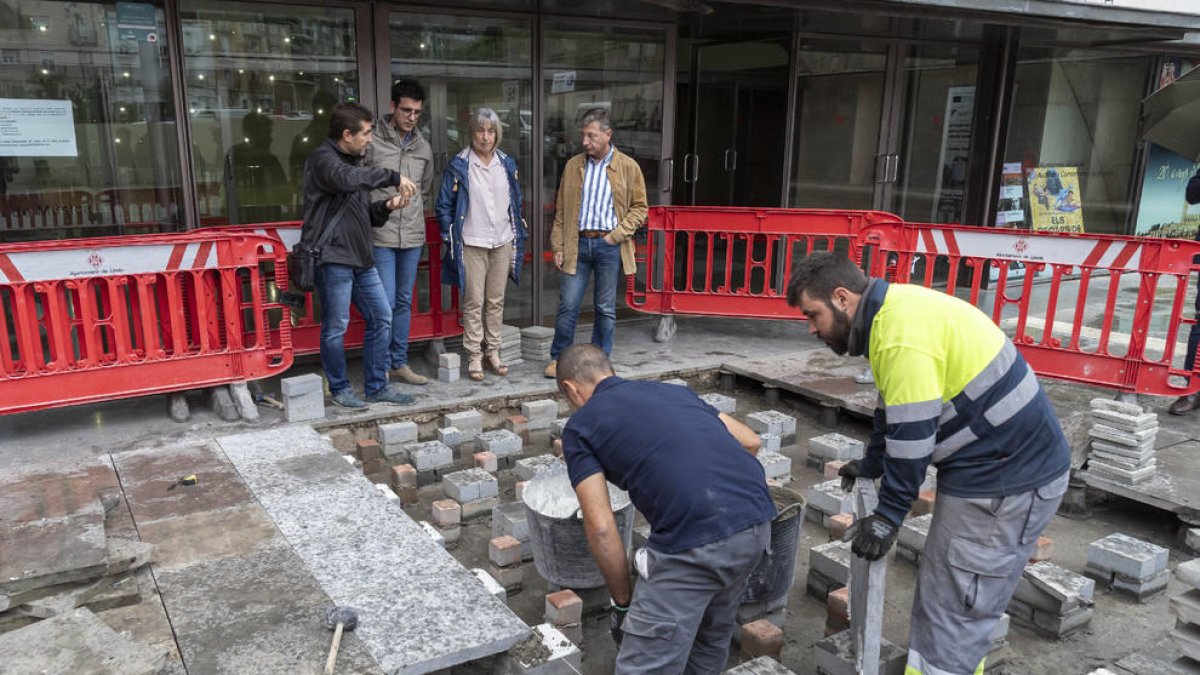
(734, 261)
(433, 315)
(1100, 310)
(99, 319)
(1094, 309)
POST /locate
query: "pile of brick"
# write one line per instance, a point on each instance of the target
(505, 563)
(1127, 565)
(1123, 436)
(475, 490)
(828, 568)
(1186, 608)
(564, 611)
(772, 423)
(510, 346)
(826, 500)
(536, 342)
(777, 466)
(505, 445)
(511, 520)
(449, 367)
(1052, 600)
(100, 563)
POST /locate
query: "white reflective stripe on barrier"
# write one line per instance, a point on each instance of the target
(105, 260)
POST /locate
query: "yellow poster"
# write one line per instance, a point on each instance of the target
(1054, 204)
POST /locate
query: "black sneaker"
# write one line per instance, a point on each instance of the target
(389, 395)
(346, 398)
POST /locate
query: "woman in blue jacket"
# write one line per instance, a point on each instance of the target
(479, 211)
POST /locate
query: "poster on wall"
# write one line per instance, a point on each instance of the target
(1010, 210)
(31, 127)
(1163, 211)
(1054, 204)
(956, 146)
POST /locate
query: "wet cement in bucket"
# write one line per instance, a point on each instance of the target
(788, 503)
(550, 494)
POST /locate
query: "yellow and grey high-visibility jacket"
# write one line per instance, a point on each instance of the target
(954, 391)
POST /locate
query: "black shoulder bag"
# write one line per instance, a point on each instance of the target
(303, 259)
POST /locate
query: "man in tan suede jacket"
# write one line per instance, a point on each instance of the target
(601, 203)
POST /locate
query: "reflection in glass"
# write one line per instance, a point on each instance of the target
(465, 63)
(839, 100)
(620, 69)
(261, 81)
(121, 172)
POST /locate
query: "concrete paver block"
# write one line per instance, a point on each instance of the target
(368, 450)
(510, 577)
(1189, 572)
(468, 421)
(504, 551)
(914, 531)
(1187, 639)
(564, 657)
(1186, 607)
(446, 512)
(450, 436)
(470, 485)
(430, 455)
(776, 466)
(1115, 406)
(723, 403)
(397, 434)
(563, 607)
(832, 560)
(244, 401)
(835, 447)
(486, 461)
(1125, 422)
(303, 397)
(541, 413)
(763, 665)
(528, 467)
(404, 476)
(1140, 589)
(769, 442)
(502, 443)
(1128, 556)
(557, 426)
(449, 375)
(835, 656)
(449, 361)
(829, 498)
(1120, 436)
(772, 422)
(761, 638)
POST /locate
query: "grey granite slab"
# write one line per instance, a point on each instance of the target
(1127, 555)
(419, 609)
(76, 642)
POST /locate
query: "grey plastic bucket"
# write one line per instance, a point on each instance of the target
(560, 548)
(773, 576)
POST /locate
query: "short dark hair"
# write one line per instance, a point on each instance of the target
(348, 116)
(584, 363)
(819, 274)
(406, 88)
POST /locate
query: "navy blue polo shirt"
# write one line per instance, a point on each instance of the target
(684, 471)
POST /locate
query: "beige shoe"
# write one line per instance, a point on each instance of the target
(551, 370)
(405, 373)
(475, 368)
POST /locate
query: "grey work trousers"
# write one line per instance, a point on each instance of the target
(684, 609)
(974, 555)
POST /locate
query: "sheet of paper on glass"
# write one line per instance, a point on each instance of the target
(1054, 199)
(31, 127)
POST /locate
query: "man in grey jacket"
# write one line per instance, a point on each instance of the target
(337, 199)
(399, 146)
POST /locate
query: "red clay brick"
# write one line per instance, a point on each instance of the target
(404, 476)
(446, 512)
(408, 495)
(837, 604)
(556, 448)
(372, 466)
(831, 468)
(564, 607)
(839, 524)
(519, 488)
(1043, 550)
(368, 450)
(924, 504)
(504, 551)
(761, 638)
(486, 461)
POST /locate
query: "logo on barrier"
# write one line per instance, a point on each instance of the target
(1021, 246)
(95, 260)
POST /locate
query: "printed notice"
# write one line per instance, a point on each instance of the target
(36, 128)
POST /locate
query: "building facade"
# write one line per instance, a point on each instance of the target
(121, 117)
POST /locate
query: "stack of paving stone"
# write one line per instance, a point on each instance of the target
(1052, 600)
(723, 403)
(431, 459)
(1127, 565)
(828, 568)
(773, 423)
(510, 346)
(776, 466)
(78, 551)
(512, 519)
(505, 445)
(564, 611)
(535, 343)
(832, 448)
(528, 467)
(539, 414)
(394, 438)
(998, 651)
(826, 500)
(1186, 608)
(1123, 437)
(475, 490)
(910, 543)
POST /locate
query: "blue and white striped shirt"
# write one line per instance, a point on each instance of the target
(596, 203)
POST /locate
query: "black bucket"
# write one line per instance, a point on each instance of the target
(560, 549)
(773, 576)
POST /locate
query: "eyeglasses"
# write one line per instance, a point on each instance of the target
(409, 112)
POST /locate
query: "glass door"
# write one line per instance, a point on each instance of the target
(586, 66)
(466, 62)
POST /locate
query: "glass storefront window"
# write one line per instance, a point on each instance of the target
(1073, 134)
(261, 80)
(586, 67)
(465, 63)
(94, 151)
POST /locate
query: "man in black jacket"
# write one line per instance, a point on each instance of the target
(1186, 404)
(336, 195)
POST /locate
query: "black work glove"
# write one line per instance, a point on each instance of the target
(850, 471)
(873, 537)
(615, 620)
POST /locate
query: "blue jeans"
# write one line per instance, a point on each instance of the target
(338, 286)
(604, 260)
(398, 272)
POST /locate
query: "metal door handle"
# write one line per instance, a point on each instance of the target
(691, 168)
(668, 171)
(730, 159)
(893, 168)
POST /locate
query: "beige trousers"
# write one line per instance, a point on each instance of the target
(483, 298)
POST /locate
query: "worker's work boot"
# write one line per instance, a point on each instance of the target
(1185, 404)
(406, 374)
(551, 370)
